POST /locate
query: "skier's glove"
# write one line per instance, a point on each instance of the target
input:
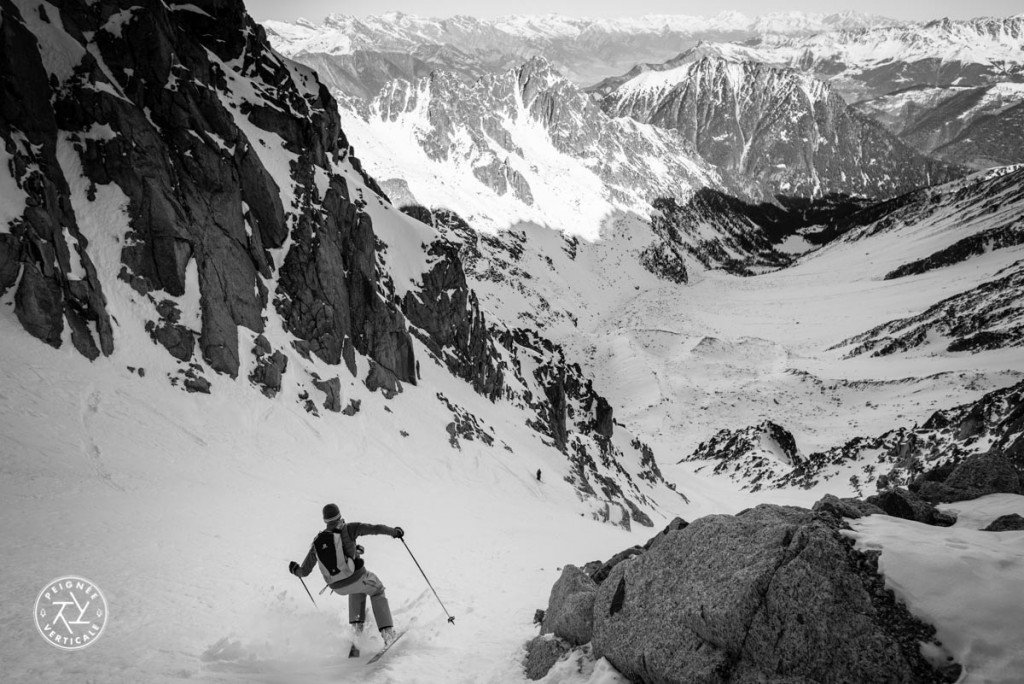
(293, 568)
(359, 549)
(398, 533)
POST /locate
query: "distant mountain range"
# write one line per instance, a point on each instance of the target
(774, 130)
(585, 50)
(760, 105)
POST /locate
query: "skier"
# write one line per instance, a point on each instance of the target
(335, 551)
(538, 474)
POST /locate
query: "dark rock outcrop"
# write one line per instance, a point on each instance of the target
(451, 324)
(570, 611)
(59, 283)
(989, 473)
(984, 317)
(924, 458)
(541, 654)
(1005, 523)
(332, 393)
(756, 454)
(175, 106)
(845, 508)
(901, 503)
(600, 571)
(771, 595)
(270, 367)
(577, 420)
(177, 339)
(739, 244)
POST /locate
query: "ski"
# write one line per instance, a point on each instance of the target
(384, 650)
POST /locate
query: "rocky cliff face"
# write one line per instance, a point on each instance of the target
(178, 108)
(772, 130)
(751, 454)
(714, 230)
(530, 127)
(976, 127)
(520, 366)
(172, 181)
(994, 140)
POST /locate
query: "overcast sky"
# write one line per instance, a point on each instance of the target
(315, 10)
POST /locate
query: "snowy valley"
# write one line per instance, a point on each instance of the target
(707, 320)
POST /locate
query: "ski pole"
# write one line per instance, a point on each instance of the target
(307, 592)
(451, 618)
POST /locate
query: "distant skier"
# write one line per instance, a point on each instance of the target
(538, 474)
(335, 551)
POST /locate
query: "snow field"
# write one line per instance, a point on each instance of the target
(968, 583)
(185, 510)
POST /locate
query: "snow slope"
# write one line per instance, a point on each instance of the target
(185, 511)
(969, 583)
(683, 361)
(186, 508)
(525, 145)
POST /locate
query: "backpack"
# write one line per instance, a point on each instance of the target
(331, 558)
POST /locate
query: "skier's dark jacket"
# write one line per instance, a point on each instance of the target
(349, 533)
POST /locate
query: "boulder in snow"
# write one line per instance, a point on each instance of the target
(1006, 523)
(901, 503)
(570, 610)
(990, 473)
(542, 653)
(775, 594)
(845, 508)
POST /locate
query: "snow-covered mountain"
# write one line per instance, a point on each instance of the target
(966, 235)
(586, 50)
(771, 130)
(213, 321)
(252, 246)
(524, 145)
(687, 357)
(929, 117)
(767, 455)
(869, 62)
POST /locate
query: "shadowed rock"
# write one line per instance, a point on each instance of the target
(1006, 523)
(845, 508)
(541, 654)
(771, 595)
(991, 473)
(570, 611)
(901, 503)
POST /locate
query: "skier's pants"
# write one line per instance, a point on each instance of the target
(367, 585)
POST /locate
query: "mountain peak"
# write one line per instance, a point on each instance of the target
(538, 65)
